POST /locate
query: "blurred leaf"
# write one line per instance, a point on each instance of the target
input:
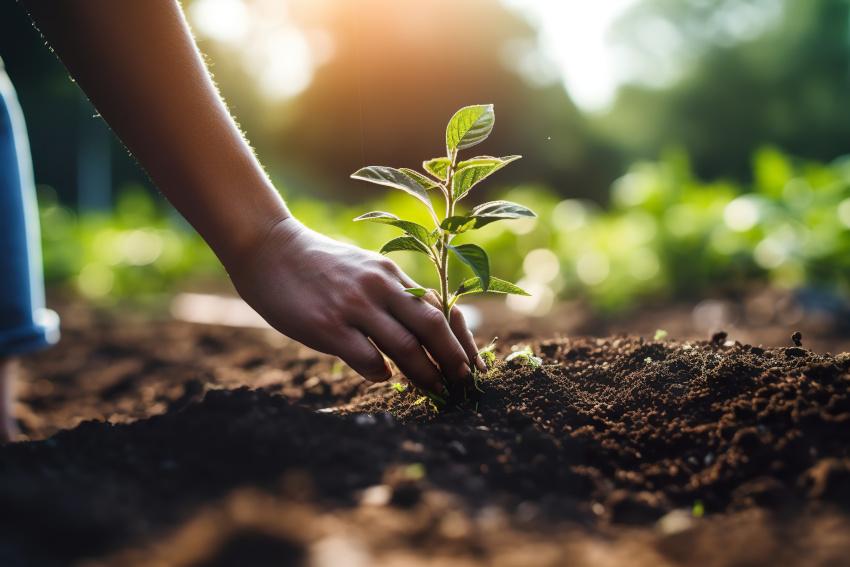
(416, 291)
(476, 170)
(438, 167)
(404, 243)
(414, 229)
(476, 258)
(497, 285)
(397, 179)
(470, 126)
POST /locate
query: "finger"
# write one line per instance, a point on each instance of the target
(362, 356)
(429, 325)
(461, 331)
(404, 349)
(464, 335)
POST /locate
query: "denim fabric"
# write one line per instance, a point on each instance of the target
(25, 324)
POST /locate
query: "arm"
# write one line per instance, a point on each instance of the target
(139, 65)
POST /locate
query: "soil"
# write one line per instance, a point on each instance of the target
(167, 443)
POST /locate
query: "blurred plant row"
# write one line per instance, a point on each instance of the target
(664, 233)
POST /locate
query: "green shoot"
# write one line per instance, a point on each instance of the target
(660, 335)
(432, 400)
(452, 179)
(525, 356)
(414, 471)
(488, 353)
(698, 509)
(398, 387)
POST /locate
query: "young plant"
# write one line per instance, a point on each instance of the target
(452, 180)
(526, 357)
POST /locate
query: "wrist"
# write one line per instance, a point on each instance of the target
(250, 237)
(274, 238)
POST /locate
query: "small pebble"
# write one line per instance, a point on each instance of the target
(365, 419)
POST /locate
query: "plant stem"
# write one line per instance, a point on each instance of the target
(443, 268)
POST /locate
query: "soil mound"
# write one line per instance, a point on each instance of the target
(633, 428)
(605, 432)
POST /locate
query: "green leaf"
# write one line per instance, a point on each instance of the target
(482, 161)
(469, 126)
(476, 170)
(404, 243)
(476, 258)
(488, 353)
(416, 291)
(438, 167)
(482, 215)
(473, 285)
(415, 230)
(423, 181)
(395, 178)
(493, 211)
(525, 356)
(457, 224)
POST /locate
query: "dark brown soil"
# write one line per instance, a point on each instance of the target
(605, 455)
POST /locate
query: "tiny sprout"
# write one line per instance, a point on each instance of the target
(648, 360)
(398, 387)
(698, 509)
(452, 180)
(432, 400)
(660, 335)
(526, 357)
(488, 354)
(414, 471)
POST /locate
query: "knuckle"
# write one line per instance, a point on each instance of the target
(374, 280)
(408, 345)
(353, 300)
(386, 264)
(457, 316)
(432, 298)
(432, 318)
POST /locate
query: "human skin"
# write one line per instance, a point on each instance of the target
(8, 376)
(138, 63)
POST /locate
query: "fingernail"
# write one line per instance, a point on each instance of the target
(480, 364)
(381, 376)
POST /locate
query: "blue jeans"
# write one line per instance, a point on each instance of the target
(25, 324)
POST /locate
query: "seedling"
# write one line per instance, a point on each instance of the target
(452, 180)
(488, 353)
(526, 357)
(698, 509)
(660, 335)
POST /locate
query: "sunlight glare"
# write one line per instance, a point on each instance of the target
(574, 35)
(221, 20)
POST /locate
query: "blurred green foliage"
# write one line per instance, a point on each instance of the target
(743, 74)
(665, 234)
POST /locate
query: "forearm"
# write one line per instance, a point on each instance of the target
(138, 63)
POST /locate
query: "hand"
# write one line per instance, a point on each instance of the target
(346, 301)
(8, 375)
